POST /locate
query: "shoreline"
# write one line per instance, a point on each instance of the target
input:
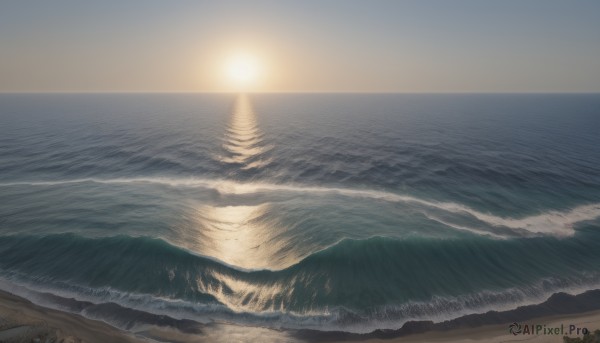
(559, 305)
(22, 320)
(499, 333)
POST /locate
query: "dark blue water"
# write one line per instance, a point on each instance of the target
(327, 211)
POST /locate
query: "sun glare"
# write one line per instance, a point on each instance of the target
(243, 71)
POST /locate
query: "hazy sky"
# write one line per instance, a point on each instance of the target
(374, 46)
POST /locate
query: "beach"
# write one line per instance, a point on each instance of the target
(500, 333)
(23, 321)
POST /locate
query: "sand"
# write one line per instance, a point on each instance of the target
(23, 321)
(500, 333)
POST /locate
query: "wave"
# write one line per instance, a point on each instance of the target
(353, 285)
(553, 222)
(123, 309)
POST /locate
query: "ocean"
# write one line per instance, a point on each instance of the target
(348, 212)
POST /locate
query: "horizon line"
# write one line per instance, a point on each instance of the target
(300, 92)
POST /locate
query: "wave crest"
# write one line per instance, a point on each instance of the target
(552, 222)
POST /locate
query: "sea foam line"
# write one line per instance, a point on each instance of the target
(392, 316)
(553, 222)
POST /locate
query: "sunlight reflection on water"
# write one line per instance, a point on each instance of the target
(241, 236)
(243, 138)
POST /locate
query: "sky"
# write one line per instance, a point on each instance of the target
(301, 46)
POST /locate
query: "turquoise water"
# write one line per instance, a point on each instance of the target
(327, 211)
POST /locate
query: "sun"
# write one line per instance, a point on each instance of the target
(243, 71)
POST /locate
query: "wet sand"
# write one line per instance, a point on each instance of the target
(500, 333)
(23, 321)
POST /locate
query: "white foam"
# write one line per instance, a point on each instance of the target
(466, 228)
(437, 309)
(553, 222)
